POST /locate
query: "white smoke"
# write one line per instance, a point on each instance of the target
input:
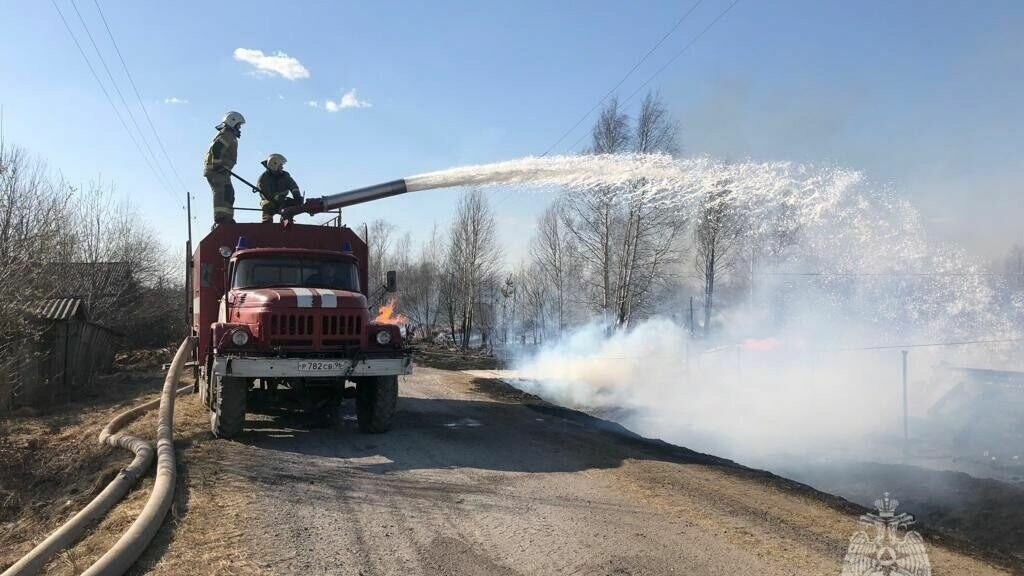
(778, 378)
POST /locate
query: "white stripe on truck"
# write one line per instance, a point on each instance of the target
(328, 299)
(303, 297)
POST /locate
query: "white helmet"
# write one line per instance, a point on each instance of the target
(232, 120)
(275, 162)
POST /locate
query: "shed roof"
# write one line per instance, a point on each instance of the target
(58, 309)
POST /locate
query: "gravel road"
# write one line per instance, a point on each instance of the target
(476, 478)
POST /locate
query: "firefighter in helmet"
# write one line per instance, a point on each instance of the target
(220, 159)
(275, 185)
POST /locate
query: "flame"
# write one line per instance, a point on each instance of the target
(387, 314)
(762, 345)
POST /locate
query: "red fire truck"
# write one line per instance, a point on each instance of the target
(281, 313)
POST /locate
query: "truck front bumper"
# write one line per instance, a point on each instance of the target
(255, 367)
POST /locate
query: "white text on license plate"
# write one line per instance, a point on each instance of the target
(322, 365)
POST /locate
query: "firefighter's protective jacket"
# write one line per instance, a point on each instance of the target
(275, 187)
(223, 153)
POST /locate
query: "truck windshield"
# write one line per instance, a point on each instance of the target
(288, 271)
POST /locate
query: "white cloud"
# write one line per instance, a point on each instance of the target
(348, 100)
(175, 100)
(280, 63)
(313, 104)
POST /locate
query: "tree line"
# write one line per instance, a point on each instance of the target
(48, 224)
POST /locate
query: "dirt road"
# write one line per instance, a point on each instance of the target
(473, 480)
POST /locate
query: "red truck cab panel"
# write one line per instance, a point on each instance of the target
(336, 309)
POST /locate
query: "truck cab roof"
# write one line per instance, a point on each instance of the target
(253, 252)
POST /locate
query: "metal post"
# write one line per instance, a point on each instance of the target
(692, 331)
(906, 435)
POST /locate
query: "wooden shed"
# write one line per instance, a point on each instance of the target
(65, 360)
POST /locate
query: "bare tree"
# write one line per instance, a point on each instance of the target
(34, 212)
(1013, 266)
(471, 262)
(625, 239)
(648, 236)
(553, 250)
(420, 286)
(535, 301)
(718, 236)
(594, 217)
(381, 237)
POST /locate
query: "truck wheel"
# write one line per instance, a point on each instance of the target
(376, 399)
(228, 413)
(332, 413)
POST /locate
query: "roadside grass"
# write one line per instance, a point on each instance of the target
(53, 465)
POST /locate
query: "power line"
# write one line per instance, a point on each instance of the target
(890, 274)
(683, 51)
(117, 89)
(624, 78)
(106, 93)
(135, 89)
(929, 345)
(671, 60)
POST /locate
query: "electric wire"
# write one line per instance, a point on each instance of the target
(893, 274)
(670, 61)
(624, 78)
(929, 345)
(740, 346)
(138, 96)
(117, 89)
(106, 93)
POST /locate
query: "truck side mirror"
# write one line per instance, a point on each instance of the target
(392, 282)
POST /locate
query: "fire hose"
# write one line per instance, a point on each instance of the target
(117, 560)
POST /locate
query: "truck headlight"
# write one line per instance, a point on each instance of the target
(239, 337)
(383, 337)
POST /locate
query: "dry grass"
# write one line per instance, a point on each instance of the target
(53, 465)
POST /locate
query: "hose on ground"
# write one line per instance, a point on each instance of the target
(72, 530)
(129, 547)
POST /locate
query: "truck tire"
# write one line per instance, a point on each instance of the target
(228, 413)
(376, 399)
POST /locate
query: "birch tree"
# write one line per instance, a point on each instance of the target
(718, 237)
(471, 261)
(553, 249)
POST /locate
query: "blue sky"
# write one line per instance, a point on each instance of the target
(924, 96)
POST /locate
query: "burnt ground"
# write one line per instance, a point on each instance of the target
(438, 356)
(986, 512)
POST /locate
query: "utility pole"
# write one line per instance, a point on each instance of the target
(188, 214)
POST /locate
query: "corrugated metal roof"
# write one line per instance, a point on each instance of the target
(61, 309)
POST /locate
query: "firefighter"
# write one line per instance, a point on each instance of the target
(220, 159)
(275, 185)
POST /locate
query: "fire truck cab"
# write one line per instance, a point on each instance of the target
(281, 314)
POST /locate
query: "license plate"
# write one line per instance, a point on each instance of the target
(322, 365)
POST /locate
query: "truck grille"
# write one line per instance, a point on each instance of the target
(303, 330)
(291, 325)
(341, 325)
